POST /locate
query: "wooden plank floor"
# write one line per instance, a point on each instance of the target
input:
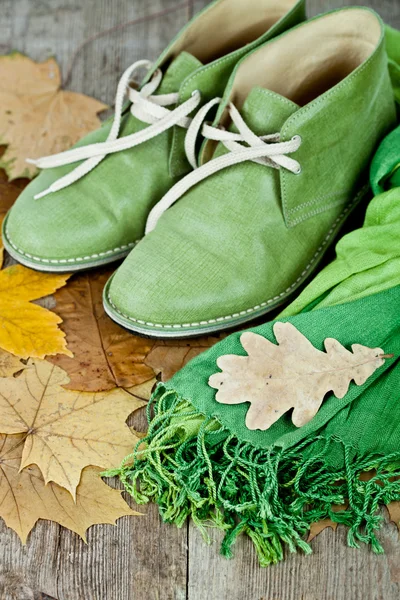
(141, 558)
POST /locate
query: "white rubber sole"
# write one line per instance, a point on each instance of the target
(224, 323)
(72, 265)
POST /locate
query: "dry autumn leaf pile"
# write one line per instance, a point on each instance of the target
(64, 420)
(64, 430)
(50, 438)
(53, 441)
(24, 497)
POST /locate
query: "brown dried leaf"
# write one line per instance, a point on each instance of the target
(65, 431)
(316, 528)
(105, 354)
(9, 192)
(293, 374)
(37, 118)
(394, 512)
(25, 498)
(168, 356)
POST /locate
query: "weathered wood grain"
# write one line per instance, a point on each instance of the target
(43, 28)
(141, 558)
(333, 572)
(388, 9)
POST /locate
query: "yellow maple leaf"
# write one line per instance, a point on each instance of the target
(37, 118)
(26, 329)
(25, 498)
(65, 430)
(293, 374)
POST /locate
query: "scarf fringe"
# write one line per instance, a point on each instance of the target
(192, 466)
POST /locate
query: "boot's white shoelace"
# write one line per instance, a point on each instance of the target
(145, 106)
(273, 154)
(152, 109)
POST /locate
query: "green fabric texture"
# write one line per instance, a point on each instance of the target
(240, 243)
(102, 216)
(199, 460)
(393, 50)
(367, 259)
(339, 324)
(386, 163)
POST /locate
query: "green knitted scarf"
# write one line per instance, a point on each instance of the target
(199, 460)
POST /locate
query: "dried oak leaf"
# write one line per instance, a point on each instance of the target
(294, 374)
(24, 497)
(27, 329)
(37, 118)
(106, 355)
(64, 430)
(9, 192)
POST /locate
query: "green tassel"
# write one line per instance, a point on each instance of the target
(191, 466)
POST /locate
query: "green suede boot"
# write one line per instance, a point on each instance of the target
(239, 241)
(90, 204)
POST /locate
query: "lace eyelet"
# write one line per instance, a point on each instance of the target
(297, 138)
(298, 170)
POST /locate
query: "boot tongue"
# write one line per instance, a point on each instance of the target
(182, 66)
(265, 112)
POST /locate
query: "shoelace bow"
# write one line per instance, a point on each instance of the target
(258, 150)
(152, 109)
(145, 106)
